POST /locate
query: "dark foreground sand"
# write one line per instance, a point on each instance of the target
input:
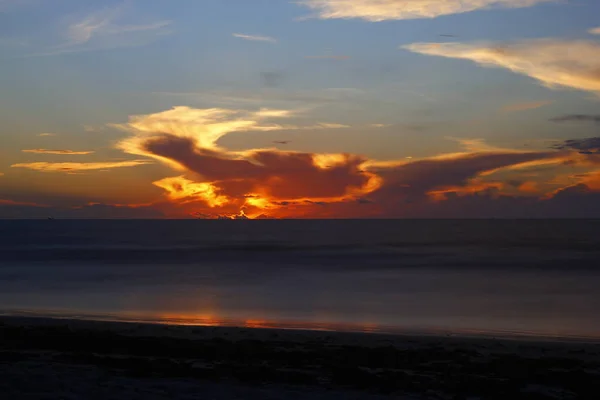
(68, 359)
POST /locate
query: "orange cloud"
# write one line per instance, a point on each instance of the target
(62, 152)
(529, 187)
(270, 183)
(184, 190)
(6, 202)
(69, 167)
(591, 180)
(472, 187)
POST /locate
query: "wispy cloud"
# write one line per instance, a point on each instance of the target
(46, 134)
(93, 128)
(103, 30)
(330, 57)
(382, 10)
(525, 106)
(256, 38)
(8, 202)
(577, 117)
(555, 63)
(595, 31)
(62, 152)
(69, 167)
(103, 25)
(274, 96)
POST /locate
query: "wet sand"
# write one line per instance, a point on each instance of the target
(43, 358)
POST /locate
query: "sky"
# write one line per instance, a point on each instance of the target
(299, 109)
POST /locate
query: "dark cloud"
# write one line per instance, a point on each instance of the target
(277, 174)
(416, 179)
(271, 79)
(577, 117)
(583, 146)
(17, 210)
(577, 201)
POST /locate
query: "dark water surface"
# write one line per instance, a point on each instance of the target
(537, 276)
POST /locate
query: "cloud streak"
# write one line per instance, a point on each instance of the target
(104, 30)
(104, 24)
(60, 152)
(69, 167)
(594, 31)
(555, 63)
(577, 118)
(255, 38)
(330, 57)
(525, 106)
(382, 10)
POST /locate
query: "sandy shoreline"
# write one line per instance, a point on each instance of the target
(80, 358)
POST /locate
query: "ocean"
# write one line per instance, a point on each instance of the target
(490, 277)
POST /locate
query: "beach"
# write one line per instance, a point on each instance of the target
(44, 358)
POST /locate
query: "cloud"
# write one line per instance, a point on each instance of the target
(28, 210)
(271, 182)
(577, 117)
(203, 126)
(271, 79)
(103, 24)
(255, 38)
(8, 202)
(331, 57)
(555, 63)
(46, 134)
(186, 139)
(104, 30)
(595, 31)
(417, 179)
(63, 152)
(525, 106)
(75, 167)
(1, 173)
(93, 128)
(271, 95)
(184, 190)
(382, 10)
(583, 146)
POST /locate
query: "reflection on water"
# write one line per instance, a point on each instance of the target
(457, 276)
(555, 303)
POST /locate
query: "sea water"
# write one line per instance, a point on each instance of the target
(539, 277)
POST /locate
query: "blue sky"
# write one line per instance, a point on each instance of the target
(387, 81)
